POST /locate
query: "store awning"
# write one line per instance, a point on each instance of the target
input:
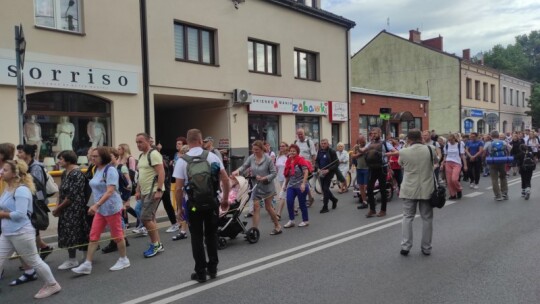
(403, 116)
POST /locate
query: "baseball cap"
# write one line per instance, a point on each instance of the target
(208, 138)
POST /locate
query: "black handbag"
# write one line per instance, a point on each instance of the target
(438, 196)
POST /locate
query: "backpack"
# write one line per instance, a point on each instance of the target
(202, 184)
(498, 148)
(374, 155)
(38, 217)
(166, 169)
(123, 183)
(307, 141)
(132, 176)
(88, 176)
(458, 148)
(49, 187)
(528, 162)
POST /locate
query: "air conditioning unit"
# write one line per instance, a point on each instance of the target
(241, 96)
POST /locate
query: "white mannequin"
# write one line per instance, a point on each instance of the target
(65, 132)
(96, 132)
(32, 133)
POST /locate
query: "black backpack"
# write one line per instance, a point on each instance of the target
(528, 164)
(374, 155)
(132, 177)
(201, 186)
(123, 183)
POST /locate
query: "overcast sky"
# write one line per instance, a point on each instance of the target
(475, 24)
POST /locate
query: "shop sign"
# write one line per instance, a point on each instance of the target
(270, 104)
(224, 143)
(477, 113)
(52, 75)
(338, 111)
(310, 107)
(492, 119)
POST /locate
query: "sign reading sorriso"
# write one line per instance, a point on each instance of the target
(48, 75)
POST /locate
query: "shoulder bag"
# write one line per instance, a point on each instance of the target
(438, 197)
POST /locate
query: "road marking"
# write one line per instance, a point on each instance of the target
(516, 181)
(219, 282)
(473, 194)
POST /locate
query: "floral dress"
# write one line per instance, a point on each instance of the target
(73, 228)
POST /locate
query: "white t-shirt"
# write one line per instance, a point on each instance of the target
(306, 151)
(453, 153)
(180, 168)
(280, 166)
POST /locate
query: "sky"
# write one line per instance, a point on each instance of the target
(464, 24)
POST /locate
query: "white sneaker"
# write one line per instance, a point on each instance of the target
(471, 185)
(47, 291)
(303, 224)
(84, 268)
(173, 228)
(289, 224)
(475, 187)
(120, 264)
(68, 264)
(140, 230)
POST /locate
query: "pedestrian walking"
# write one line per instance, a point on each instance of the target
(327, 163)
(527, 165)
(362, 170)
(454, 157)
(474, 149)
(498, 148)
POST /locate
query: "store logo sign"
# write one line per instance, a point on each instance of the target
(270, 104)
(338, 111)
(48, 75)
(310, 107)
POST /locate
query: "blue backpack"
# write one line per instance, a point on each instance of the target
(498, 148)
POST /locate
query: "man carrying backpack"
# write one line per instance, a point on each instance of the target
(527, 165)
(498, 148)
(200, 171)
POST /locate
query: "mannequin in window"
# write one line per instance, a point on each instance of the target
(96, 132)
(271, 137)
(65, 132)
(32, 133)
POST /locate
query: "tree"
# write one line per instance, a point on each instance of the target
(534, 103)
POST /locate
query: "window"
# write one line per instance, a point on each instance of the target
(312, 3)
(481, 126)
(305, 65)
(367, 122)
(504, 95)
(505, 126)
(517, 98)
(485, 87)
(311, 126)
(469, 88)
(64, 15)
(262, 57)
(511, 97)
(523, 98)
(194, 44)
(477, 89)
(492, 99)
(264, 127)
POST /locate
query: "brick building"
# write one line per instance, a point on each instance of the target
(408, 111)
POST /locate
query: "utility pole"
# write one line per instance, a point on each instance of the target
(20, 49)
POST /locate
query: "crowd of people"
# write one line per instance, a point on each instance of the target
(91, 200)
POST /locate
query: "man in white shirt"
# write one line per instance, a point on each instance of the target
(307, 151)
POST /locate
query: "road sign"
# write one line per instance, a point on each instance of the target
(385, 116)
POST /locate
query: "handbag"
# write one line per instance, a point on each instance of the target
(39, 217)
(438, 196)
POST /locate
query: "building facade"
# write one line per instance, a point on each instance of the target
(514, 104)
(408, 112)
(416, 67)
(479, 97)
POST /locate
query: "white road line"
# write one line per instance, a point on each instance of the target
(516, 181)
(219, 282)
(473, 194)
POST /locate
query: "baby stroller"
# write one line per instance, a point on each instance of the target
(230, 223)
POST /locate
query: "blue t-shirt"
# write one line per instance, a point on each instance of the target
(99, 184)
(474, 146)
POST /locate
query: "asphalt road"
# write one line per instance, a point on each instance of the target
(483, 252)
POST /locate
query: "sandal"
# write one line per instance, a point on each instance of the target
(278, 217)
(275, 232)
(25, 278)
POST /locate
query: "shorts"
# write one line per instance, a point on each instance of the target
(362, 176)
(113, 221)
(148, 207)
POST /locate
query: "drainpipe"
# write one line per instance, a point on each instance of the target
(145, 74)
(459, 95)
(348, 56)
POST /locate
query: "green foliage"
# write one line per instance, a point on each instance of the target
(511, 60)
(534, 103)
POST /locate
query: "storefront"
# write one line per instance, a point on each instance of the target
(339, 117)
(481, 121)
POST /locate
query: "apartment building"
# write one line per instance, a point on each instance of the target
(514, 104)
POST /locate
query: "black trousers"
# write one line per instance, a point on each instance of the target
(203, 227)
(475, 170)
(526, 176)
(167, 204)
(377, 174)
(327, 194)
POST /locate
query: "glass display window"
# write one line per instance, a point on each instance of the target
(264, 127)
(311, 126)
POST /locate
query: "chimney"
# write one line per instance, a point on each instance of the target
(436, 43)
(466, 54)
(415, 36)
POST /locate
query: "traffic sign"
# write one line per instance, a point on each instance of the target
(385, 116)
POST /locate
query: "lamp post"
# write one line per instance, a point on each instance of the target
(20, 49)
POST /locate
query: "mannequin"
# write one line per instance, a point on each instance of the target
(96, 132)
(65, 132)
(32, 133)
(271, 137)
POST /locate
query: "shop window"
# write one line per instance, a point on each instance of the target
(481, 127)
(468, 125)
(367, 122)
(68, 121)
(335, 134)
(64, 15)
(406, 126)
(265, 128)
(311, 126)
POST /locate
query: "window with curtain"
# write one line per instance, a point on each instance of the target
(64, 15)
(194, 44)
(262, 57)
(305, 65)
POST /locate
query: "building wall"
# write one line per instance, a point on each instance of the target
(514, 114)
(390, 63)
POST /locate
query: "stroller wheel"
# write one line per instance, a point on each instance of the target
(253, 235)
(222, 243)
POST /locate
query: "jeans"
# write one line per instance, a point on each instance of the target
(426, 213)
(292, 193)
(25, 245)
(475, 169)
(498, 171)
(203, 225)
(526, 176)
(327, 194)
(377, 174)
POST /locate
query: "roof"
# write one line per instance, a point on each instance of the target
(315, 12)
(389, 94)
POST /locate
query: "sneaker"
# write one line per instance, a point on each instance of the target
(84, 268)
(47, 291)
(303, 224)
(471, 185)
(505, 196)
(141, 231)
(523, 193)
(68, 264)
(153, 250)
(362, 206)
(289, 224)
(180, 236)
(173, 228)
(475, 187)
(111, 247)
(120, 264)
(498, 198)
(459, 194)
(45, 251)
